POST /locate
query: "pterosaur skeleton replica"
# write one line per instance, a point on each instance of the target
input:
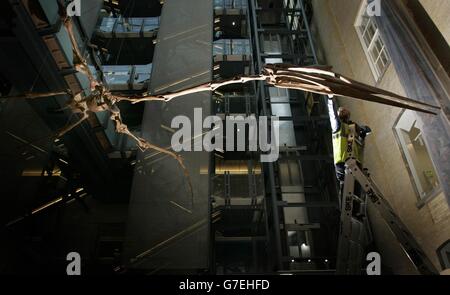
(316, 79)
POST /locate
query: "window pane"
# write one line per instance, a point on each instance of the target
(287, 134)
(384, 58)
(218, 47)
(380, 66)
(370, 33)
(107, 24)
(378, 44)
(227, 47)
(240, 46)
(135, 24)
(295, 23)
(361, 29)
(232, 46)
(218, 4)
(142, 73)
(367, 40)
(274, 60)
(281, 110)
(121, 26)
(374, 53)
(131, 24)
(230, 3)
(278, 94)
(372, 43)
(151, 23)
(272, 44)
(117, 75)
(421, 160)
(364, 22)
(414, 147)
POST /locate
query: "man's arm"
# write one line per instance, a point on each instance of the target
(335, 123)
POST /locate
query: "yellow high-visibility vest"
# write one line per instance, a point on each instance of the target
(341, 147)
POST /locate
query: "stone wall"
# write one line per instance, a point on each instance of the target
(340, 47)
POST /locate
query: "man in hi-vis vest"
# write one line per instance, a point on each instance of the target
(341, 127)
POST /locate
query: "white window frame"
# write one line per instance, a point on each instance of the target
(399, 124)
(377, 73)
